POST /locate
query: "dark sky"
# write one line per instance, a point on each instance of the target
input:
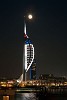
(48, 32)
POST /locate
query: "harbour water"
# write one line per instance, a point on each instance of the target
(30, 94)
(33, 96)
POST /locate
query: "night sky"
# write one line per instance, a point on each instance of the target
(47, 30)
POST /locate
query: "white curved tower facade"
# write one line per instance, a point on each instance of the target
(29, 55)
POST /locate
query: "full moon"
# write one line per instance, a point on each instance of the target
(30, 16)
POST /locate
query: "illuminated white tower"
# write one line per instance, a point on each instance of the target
(28, 55)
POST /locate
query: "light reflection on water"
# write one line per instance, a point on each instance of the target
(5, 97)
(26, 96)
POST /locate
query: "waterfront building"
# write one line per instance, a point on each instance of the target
(52, 78)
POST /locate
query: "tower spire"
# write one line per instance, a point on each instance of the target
(25, 33)
(24, 28)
